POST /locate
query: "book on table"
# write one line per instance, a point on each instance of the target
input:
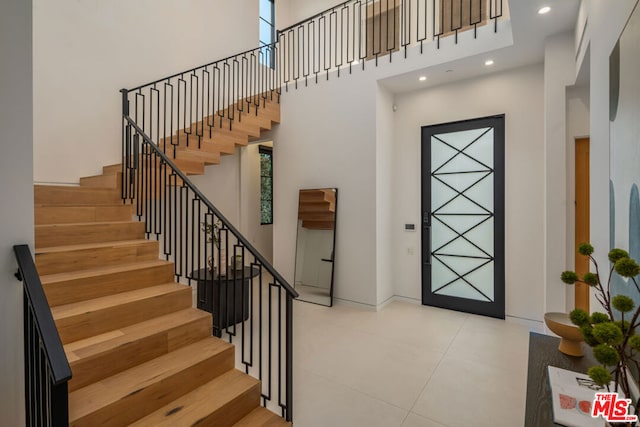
(572, 395)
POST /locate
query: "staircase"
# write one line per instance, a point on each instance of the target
(140, 354)
(317, 209)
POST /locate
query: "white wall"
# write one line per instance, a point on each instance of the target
(289, 12)
(16, 193)
(385, 227)
(519, 95)
(328, 139)
(85, 51)
(260, 236)
(559, 72)
(606, 21)
(221, 185)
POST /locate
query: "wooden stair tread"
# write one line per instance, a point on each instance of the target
(83, 274)
(201, 403)
(59, 195)
(75, 214)
(262, 417)
(86, 223)
(119, 243)
(117, 204)
(82, 307)
(89, 347)
(100, 356)
(48, 235)
(84, 319)
(74, 257)
(81, 285)
(152, 384)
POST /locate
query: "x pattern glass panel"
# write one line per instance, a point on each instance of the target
(462, 215)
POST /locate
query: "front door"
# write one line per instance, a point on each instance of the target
(463, 216)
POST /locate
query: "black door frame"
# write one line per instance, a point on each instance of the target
(496, 308)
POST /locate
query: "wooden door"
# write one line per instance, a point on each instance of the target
(582, 219)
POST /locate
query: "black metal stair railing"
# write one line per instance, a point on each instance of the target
(358, 31)
(252, 304)
(184, 110)
(46, 369)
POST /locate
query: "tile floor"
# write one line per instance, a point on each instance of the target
(407, 366)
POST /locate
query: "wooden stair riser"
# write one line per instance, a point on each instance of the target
(226, 123)
(61, 289)
(152, 394)
(269, 110)
(262, 122)
(261, 417)
(316, 207)
(136, 350)
(61, 261)
(64, 196)
(83, 325)
(111, 169)
(217, 144)
(111, 180)
(45, 215)
(75, 234)
(208, 158)
(317, 216)
(239, 136)
(221, 403)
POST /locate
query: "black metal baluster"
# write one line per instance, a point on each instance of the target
(289, 356)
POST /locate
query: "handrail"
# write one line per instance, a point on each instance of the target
(46, 368)
(60, 370)
(290, 290)
(265, 46)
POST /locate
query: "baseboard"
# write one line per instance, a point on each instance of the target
(63, 184)
(377, 307)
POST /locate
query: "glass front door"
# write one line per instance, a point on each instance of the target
(463, 216)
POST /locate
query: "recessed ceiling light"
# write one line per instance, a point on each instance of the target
(488, 62)
(544, 10)
(422, 78)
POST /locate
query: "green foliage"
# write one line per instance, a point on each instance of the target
(634, 342)
(606, 355)
(626, 267)
(624, 327)
(579, 317)
(587, 333)
(266, 188)
(590, 279)
(585, 249)
(617, 254)
(569, 277)
(615, 343)
(622, 303)
(608, 333)
(599, 375)
(598, 317)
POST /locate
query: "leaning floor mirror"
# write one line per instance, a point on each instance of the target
(315, 245)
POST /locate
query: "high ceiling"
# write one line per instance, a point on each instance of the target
(529, 33)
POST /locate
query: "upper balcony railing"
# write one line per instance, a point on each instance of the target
(358, 31)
